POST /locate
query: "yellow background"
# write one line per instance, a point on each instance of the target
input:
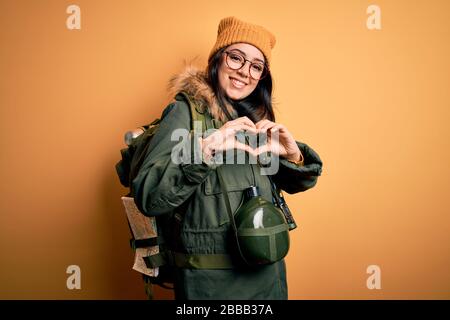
(373, 104)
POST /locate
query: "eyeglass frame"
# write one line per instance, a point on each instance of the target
(265, 71)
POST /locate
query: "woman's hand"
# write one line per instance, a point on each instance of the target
(225, 138)
(283, 144)
(279, 139)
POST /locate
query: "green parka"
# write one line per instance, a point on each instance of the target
(162, 186)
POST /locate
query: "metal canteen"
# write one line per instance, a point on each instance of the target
(263, 233)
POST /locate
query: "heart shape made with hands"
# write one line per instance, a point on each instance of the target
(263, 142)
(274, 140)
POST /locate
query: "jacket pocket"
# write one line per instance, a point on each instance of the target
(237, 179)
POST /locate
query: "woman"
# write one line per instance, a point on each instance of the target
(235, 92)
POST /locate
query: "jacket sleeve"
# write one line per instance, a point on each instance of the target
(162, 184)
(294, 178)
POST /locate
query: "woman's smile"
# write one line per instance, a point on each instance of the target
(237, 83)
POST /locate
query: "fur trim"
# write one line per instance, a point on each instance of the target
(193, 81)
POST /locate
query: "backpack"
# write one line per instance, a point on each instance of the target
(147, 242)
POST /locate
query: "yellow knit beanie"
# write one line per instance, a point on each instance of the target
(232, 30)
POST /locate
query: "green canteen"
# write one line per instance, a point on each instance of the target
(263, 233)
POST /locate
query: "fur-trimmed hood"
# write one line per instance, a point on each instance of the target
(193, 81)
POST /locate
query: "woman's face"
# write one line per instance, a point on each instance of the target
(238, 84)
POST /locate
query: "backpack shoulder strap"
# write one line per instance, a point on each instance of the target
(196, 115)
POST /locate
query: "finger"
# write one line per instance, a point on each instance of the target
(280, 131)
(274, 132)
(238, 127)
(260, 123)
(280, 127)
(275, 128)
(266, 126)
(244, 120)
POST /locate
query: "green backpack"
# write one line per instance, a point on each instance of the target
(133, 156)
(127, 169)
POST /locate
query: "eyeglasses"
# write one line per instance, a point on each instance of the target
(236, 61)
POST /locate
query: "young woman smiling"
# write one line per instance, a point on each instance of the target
(235, 93)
